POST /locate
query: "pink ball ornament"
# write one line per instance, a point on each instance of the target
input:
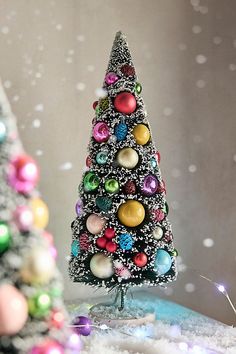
(95, 224)
(111, 78)
(23, 218)
(49, 346)
(13, 310)
(23, 174)
(74, 343)
(101, 132)
(48, 238)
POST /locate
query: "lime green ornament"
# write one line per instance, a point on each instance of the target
(138, 88)
(40, 305)
(174, 253)
(5, 237)
(112, 186)
(91, 182)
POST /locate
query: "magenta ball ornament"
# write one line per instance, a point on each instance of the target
(49, 346)
(101, 132)
(82, 325)
(125, 103)
(150, 185)
(23, 218)
(111, 78)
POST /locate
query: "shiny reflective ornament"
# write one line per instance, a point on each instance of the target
(91, 182)
(109, 233)
(79, 207)
(102, 157)
(140, 259)
(88, 161)
(150, 185)
(162, 262)
(48, 346)
(40, 213)
(40, 304)
(38, 266)
(13, 310)
(112, 186)
(3, 132)
(95, 103)
(166, 208)
(83, 325)
(158, 157)
(57, 319)
(111, 246)
(23, 174)
(131, 213)
(174, 253)
(157, 233)
(101, 266)
(153, 162)
(141, 134)
(111, 78)
(5, 237)
(75, 248)
(138, 88)
(74, 343)
(125, 102)
(95, 223)
(101, 132)
(101, 242)
(23, 218)
(126, 241)
(104, 203)
(121, 131)
(128, 158)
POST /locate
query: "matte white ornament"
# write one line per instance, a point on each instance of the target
(101, 266)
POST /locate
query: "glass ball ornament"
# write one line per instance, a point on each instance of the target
(140, 259)
(157, 233)
(141, 134)
(174, 253)
(101, 132)
(95, 103)
(158, 157)
(82, 325)
(48, 346)
(39, 304)
(88, 161)
(111, 246)
(101, 266)
(125, 102)
(131, 213)
(112, 186)
(57, 319)
(95, 223)
(126, 241)
(111, 78)
(109, 233)
(79, 207)
(121, 131)
(150, 185)
(40, 213)
(75, 248)
(153, 162)
(103, 203)
(5, 237)
(162, 262)
(102, 157)
(138, 88)
(91, 182)
(101, 242)
(127, 158)
(74, 343)
(23, 174)
(23, 218)
(3, 132)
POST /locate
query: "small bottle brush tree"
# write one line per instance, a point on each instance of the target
(121, 235)
(31, 307)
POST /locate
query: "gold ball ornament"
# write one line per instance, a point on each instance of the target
(141, 134)
(128, 158)
(38, 267)
(101, 266)
(40, 213)
(131, 213)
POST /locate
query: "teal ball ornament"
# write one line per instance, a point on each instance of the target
(75, 248)
(91, 182)
(104, 203)
(121, 131)
(126, 241)
(3, 132)
(102, 157)
(163, 262)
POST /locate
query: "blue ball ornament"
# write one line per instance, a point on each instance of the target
(121, 131)
(3, 132)
(75, 248)
(126, 242)
(162, 262)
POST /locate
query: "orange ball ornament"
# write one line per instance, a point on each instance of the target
(40, 213)
(131, 213)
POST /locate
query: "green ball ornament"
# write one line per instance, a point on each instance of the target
(112, 186)
(138, 88)
(40, 305)
(104, 203)
(91, 182)
(3, 132)
(5, 237)
(174, 253)
(166, 208)
(102, 157)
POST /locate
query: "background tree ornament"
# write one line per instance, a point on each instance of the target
(130, 210)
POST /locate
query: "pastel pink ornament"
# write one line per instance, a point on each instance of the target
(49, 346)
(95, 224)
(48, 238)
(158, 214)
(23, 218)
(23, 174)
(111, 78)
(53, 251)
(13, 310)
(101, 132)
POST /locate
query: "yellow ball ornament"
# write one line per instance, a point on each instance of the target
(131, 213)
(141, 134)
(40, 213)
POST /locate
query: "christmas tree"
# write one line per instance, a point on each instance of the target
(121, 235)
(32, 315)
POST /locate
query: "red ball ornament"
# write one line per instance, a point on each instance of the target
(125, 103)
(49, 346)
(88, 161)
(95, 103)
(109, 233)
(101, 242)
(111, 246)
(57, 319)
(140, 259)
(127, 70)
(158, 157)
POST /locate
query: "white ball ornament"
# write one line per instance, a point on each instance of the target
(157, 233)
(128, 158)
(101, 266)
(95, 224)
(38, 267)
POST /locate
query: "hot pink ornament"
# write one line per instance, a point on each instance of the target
(13, 310)
(23, 174)
(101, 132)
(49, 346)
(111, 78)
(23, 218)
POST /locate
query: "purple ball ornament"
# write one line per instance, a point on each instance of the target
(101, 132)
(79, 207)
(83, 325)
(74, 343)
(111, 78)
(150, 185)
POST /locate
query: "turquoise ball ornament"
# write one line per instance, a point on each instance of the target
(102, 157)
(121, 131)
(126, 241)
(112, 186)
(153, 162)
(75, 248)
(5, 237)
(3, 132)
(104, 203)
(162, 262)
(91, 182)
